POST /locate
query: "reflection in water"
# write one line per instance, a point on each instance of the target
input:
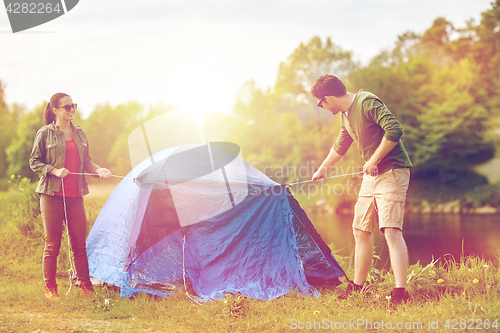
(427, 236)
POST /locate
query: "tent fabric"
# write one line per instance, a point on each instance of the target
(260, 243)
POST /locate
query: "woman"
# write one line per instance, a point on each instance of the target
(60, 154)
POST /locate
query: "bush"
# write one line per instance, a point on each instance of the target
(484, 195)
(444, 187)
(21, 240)
(22, 213)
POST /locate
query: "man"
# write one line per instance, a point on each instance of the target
(367, 121)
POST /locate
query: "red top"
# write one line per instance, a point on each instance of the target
(72, 163)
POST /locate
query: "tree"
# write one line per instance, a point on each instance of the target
(9, 118)
(297, 74)
(19, 151)
(119, 157)
(451, 134)
(486, 53)
(435, 91)
(5, 133)
(105, 125)
(282, 132)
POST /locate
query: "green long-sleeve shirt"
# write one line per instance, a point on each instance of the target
(366, 122)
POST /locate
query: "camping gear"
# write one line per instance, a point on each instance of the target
(199, 215)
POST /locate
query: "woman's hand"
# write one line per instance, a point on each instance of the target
(61, 173)
(103, 172)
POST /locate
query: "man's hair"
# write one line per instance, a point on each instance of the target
(328, 85)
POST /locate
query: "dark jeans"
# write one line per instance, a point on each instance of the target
(52, 208)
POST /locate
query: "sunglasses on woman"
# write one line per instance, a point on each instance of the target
(68, 107)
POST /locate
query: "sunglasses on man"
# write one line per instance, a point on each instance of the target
(320, 103)
(68, 107)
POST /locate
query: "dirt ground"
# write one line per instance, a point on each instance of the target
(45, 323)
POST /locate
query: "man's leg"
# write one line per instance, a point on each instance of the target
(390, 193)
(363, 255)
(362, 227)
(398, 254)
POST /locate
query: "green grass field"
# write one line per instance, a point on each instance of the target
(452, 296)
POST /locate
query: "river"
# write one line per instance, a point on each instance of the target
(427, 236)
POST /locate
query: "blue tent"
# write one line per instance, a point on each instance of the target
(199, 215)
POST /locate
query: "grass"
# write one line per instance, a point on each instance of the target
(25, 309)
(462, 294)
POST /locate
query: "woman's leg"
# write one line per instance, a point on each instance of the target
(77, 225)
(52, 214)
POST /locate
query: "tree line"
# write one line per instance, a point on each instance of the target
(443, 86)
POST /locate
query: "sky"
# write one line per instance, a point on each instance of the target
(195, 54)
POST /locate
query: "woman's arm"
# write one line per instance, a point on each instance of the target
(38, 152)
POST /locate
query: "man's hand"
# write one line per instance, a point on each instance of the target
(385, 146)
(320, 174)
(103, 172)
(370, 168)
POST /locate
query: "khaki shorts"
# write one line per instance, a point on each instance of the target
(384, 197)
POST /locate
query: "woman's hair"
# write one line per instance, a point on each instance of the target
(50, 117)
(328, 85)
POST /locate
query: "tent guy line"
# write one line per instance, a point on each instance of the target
(337, 176)
(95, 174)
(184, 270)
(71, 271)
(291, 184)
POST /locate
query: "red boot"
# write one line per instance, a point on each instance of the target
(86, 289)
(51, 291)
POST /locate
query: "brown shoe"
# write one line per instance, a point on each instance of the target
(86, 289)
(351, 288)
(398, 296)
(51, 291)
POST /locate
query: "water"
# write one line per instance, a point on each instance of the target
(427, 236)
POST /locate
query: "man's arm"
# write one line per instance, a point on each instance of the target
(332, 158)
(381, 115)
(383, 149)
(342, 144)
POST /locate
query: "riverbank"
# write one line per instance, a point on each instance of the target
(425, 207)
(453, 207)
